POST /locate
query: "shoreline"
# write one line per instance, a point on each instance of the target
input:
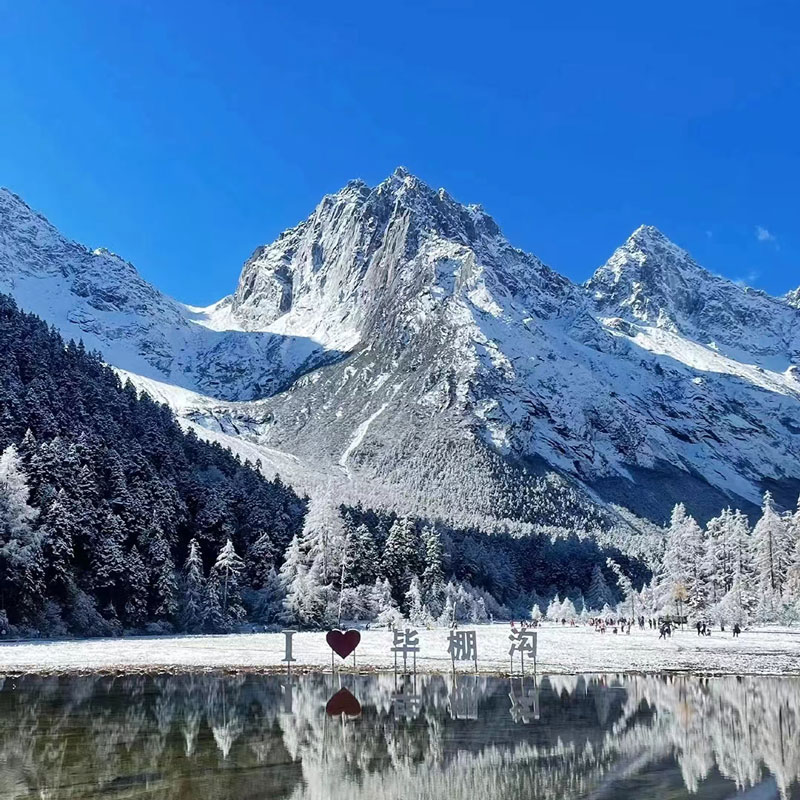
(561, 651)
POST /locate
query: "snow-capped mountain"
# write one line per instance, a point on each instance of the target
(101, 298)
(395, 338)
(650, 280)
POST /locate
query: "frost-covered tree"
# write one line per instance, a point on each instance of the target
(771, 557)
(555, 609)
(304, 602)
(163, 581)
(400, 555)
(568, 611)
(224, 581)
(383, 605)
(109, 561)
(214, 620)
(433, 575)
(15, 512)
(629, 593)
(260, 559)
(21, 557)
(719, 564)
(364, 561)
(323, 539)
(599, 594)
(682, 569)
(737, 604)
(58, 528)
(271, 597)
(136, 580)
(193, 590)
(417, 611)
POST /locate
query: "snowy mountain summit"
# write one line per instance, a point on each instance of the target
(396, 342)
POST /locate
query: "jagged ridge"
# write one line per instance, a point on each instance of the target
(457, 368)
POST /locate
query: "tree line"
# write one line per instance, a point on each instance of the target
(726, 571)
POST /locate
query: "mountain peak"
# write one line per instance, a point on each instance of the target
(793, 297)
(648, 234)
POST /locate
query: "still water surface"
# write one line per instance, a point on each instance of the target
(475, 738)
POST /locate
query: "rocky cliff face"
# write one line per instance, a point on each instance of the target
(396, 339)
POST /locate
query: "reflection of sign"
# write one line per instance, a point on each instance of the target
(463, 646)
(406, 642)
(343, 702)
(522, 642)
(343, 642)
(524, 702)
(288, 696)
(406, 705)
(405, 700)
(463, 698)
(287, 658)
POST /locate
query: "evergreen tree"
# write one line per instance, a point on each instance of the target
(365, 561)
(193, 590)
(628, 591)
(59, 527)
(417, 612)
(433, 576)
(163, 582)
(399, 555)
(224, 580)
(554, 609)
(260, 559)
(383, 604)
(21, 557)
(304, 601)
(109, 560)
(770, 557)
(136, 590)
(214, 619)
(271, 597)
(599, 594)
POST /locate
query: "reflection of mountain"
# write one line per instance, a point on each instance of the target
(255, 737)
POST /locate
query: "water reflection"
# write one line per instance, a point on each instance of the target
(249, 736)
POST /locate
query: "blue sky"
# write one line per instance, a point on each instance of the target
(184, 134)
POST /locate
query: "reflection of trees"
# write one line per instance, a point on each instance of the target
(247, 736)
(740, 726)
(165, 737)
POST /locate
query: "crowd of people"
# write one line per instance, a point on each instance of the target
(664, 625)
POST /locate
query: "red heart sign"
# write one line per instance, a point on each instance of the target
(343, 642)
(343, 702)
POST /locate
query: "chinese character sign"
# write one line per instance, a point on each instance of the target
(405, 642)
(287, 658)
(463, 646)
(522, 642)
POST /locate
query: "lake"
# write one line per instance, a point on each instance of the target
(212, 736)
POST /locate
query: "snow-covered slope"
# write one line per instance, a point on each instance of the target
(396, 339)
(101, 298)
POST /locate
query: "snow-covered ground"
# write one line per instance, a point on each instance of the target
(766, 651)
